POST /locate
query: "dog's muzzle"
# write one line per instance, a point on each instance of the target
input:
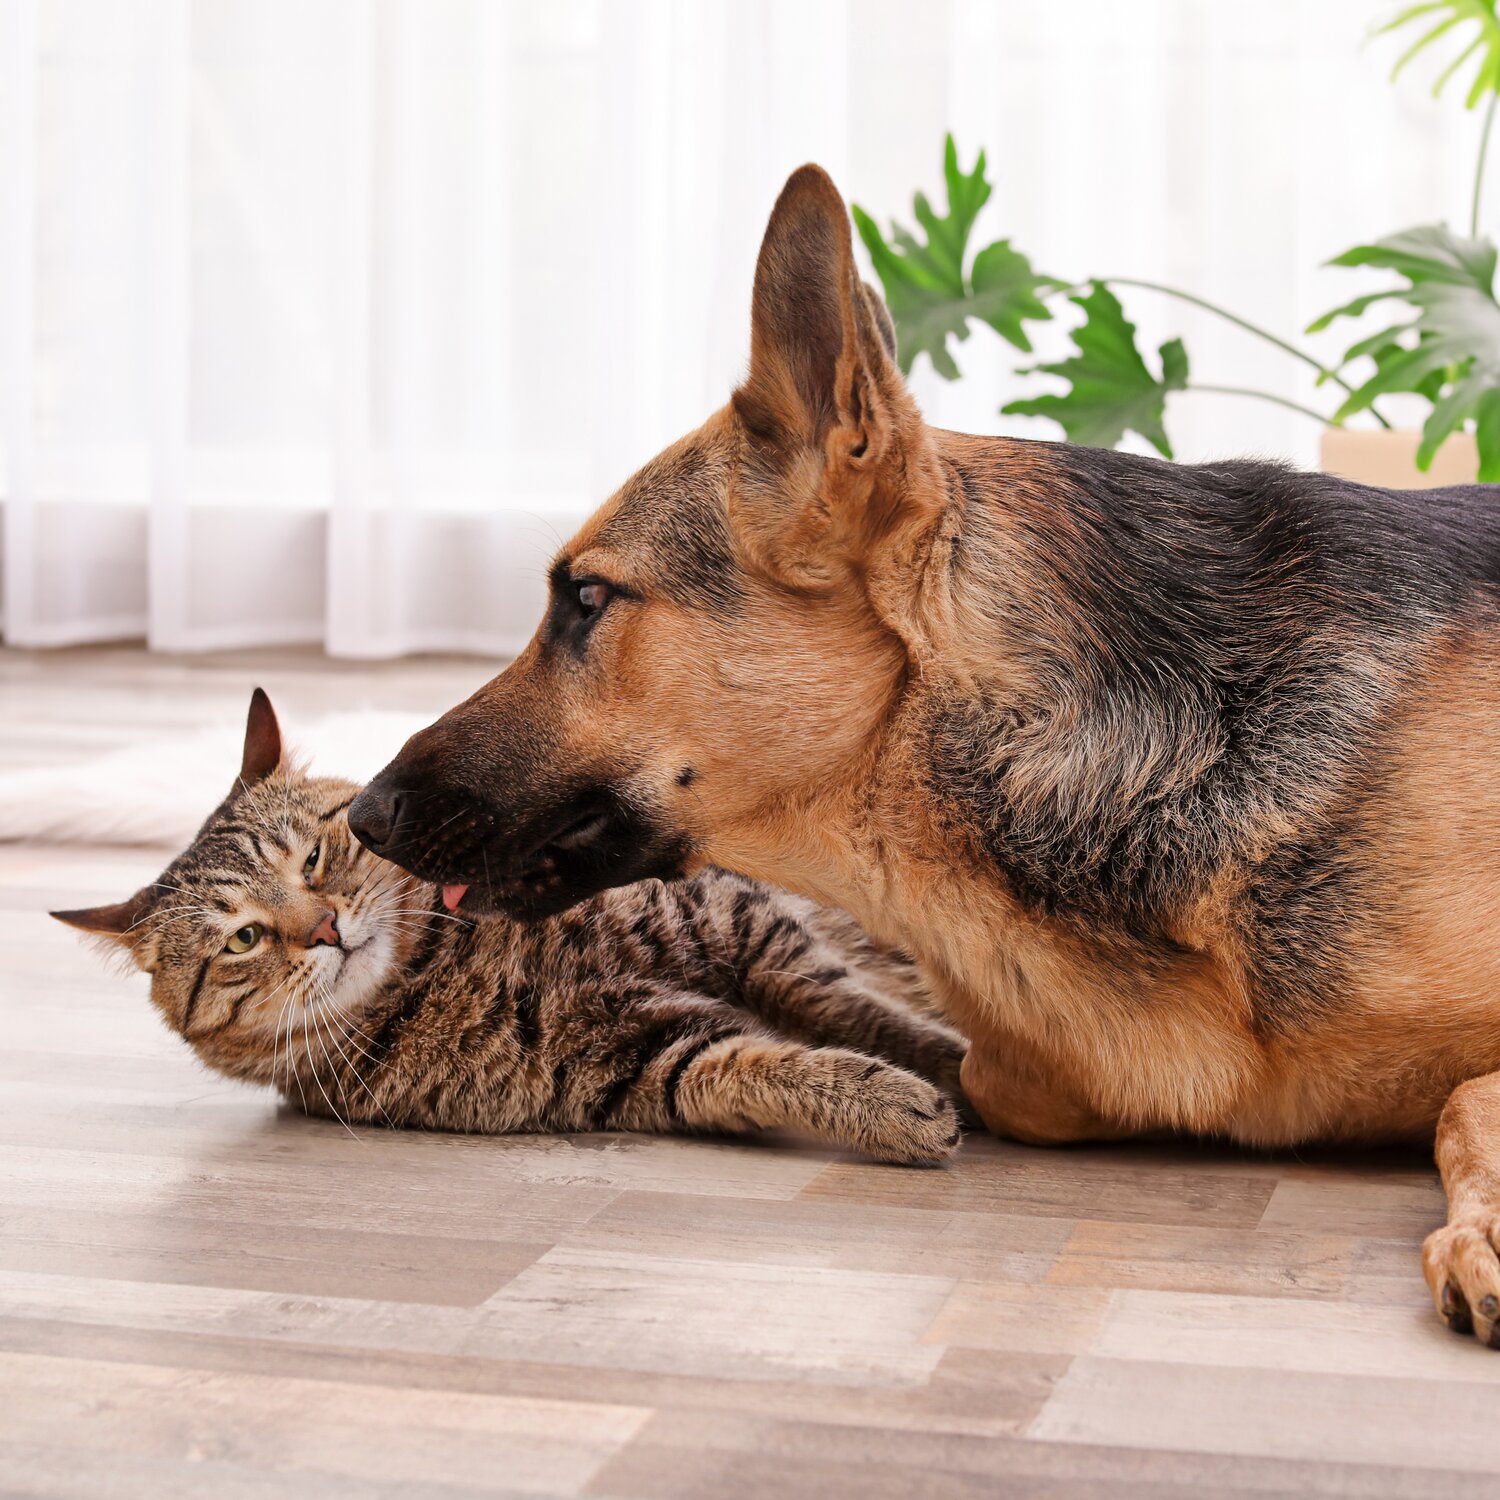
(527, 867)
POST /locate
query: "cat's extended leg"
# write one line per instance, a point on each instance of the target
(702, 1077)
(891, 971)
(848, 1098)
(1462, 1259)
(804, 986)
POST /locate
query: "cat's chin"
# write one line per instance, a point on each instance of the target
(365, 969)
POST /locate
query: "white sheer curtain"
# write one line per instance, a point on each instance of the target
(323, 320)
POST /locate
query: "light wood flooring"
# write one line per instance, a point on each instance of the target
(204, 1294)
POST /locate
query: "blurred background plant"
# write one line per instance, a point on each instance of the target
(1445, 349)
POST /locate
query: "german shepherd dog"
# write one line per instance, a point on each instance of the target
(1182, 783)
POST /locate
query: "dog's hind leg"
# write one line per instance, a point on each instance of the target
(1462, 1259)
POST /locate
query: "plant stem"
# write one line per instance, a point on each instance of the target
(1244, 390)
(1484, 146)
(1249, 327)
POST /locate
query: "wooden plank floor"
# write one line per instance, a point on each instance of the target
(201, 1293)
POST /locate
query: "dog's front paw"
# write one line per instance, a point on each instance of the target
(1461, 1262)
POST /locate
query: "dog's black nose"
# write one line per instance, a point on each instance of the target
(375, 815)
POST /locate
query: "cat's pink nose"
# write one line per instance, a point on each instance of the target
(325, 932)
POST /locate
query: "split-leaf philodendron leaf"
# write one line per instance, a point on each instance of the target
(1434, 19)
(1112, 389)
(1450, 350)
(929, 290)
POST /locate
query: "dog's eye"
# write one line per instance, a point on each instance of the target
(593, 596)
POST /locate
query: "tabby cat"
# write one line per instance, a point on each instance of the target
(285, 953)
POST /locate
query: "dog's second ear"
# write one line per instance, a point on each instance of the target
(823, 376)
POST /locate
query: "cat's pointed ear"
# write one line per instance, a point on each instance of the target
(262, 740)
(119, 923)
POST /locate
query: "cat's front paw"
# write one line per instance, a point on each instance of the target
(900, 1118)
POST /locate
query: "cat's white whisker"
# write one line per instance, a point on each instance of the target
(426, 914)
(447, 916)
(319, 1016)
(283, 1020)
(405, 922)
(337, 1018)
(357, 1038)
(265, 1004)
(293, 1071)
(204, 913)
(785, 974)
(317, 1077)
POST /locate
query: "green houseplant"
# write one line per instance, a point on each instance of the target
(1444, 347)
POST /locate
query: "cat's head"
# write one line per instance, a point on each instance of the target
(273, 920)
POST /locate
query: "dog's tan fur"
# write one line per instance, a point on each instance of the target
(882, 604)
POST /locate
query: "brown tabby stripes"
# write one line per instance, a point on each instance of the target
(712, 1004)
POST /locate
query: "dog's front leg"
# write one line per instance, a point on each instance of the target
(1019, 1096)
(1462, 1259)
(1015, 1090)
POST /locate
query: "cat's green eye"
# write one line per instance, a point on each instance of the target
(245, 939)
(310, 867)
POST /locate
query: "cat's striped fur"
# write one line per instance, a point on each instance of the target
(714, 1004)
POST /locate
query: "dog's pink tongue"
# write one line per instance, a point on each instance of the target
(452, 895)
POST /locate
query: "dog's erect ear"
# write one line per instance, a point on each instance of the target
(882, 315)
(821, 345)
(119, 923)
(262, 740)
(824, 404)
